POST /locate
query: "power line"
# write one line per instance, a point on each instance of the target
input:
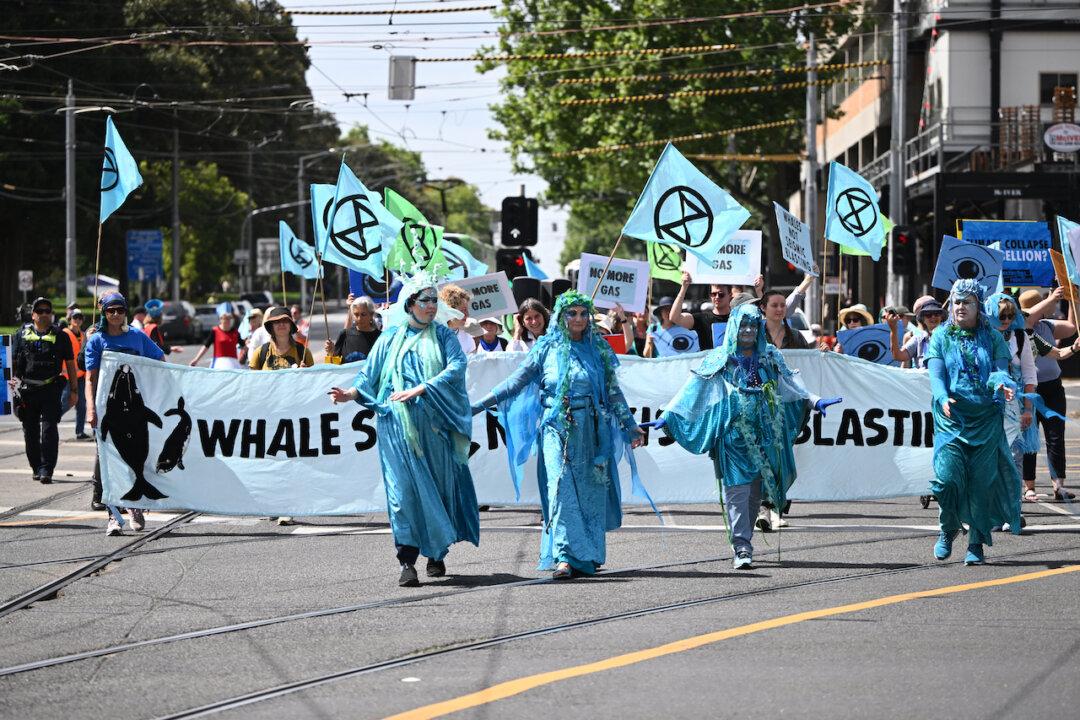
(688, 49)
(715, 92)
(786, 69)
(393, 11)
(583, 152)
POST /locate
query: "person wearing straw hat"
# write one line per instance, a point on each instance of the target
(414, 381)
(976, 483)
(1044, 334)
(282, 351)
(855, 316)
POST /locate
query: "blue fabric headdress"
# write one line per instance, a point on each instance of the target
(992, 308)
(715, 361)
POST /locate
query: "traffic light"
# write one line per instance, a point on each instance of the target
(519, 221)
(511, 261)
(904, 242)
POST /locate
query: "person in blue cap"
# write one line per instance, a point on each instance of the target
(744, 407)
(152, 326)
(976, 481)
(115, 334)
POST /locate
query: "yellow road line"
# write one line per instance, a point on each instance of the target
(49, 521)
(523, 684)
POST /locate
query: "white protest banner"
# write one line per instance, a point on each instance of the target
(794, 240)
(626, 283)
(491, 295)
(739, 261)
(271, 443)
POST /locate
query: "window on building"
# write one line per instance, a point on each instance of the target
(1050, 80)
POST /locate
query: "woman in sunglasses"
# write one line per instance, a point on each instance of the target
(564, 398)
(414, 380)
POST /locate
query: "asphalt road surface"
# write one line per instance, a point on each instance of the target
(846, 614)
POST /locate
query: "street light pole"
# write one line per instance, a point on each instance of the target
(69, 193)
(176, 215)
(893, 287)
(811, 201)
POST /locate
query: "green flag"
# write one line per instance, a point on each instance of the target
(665, 261)
(420, 242)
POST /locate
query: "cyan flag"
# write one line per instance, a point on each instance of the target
(322, 202)
(852, 217)
(1069, 236)
(297, 257)
(361, 231)
(119, 173)
(680, 206)
(460, 262)
(532, 269)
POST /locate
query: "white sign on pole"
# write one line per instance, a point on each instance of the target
(491, 295)
(794, 240)
(267, 256)
(26, 280)
(626, 282)
(741, 250)
(241, 256)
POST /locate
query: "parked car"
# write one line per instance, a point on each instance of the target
(207, 317)
(261, 299)
(179, 322)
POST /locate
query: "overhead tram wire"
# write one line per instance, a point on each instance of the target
(715, 92)
(626, 52)
(679, 138)
(393, 11)
(718, 75)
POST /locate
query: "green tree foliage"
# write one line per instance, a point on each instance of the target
(602, 188)
(206, 245)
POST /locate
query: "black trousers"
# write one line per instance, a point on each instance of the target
(407, 554)
(1053, 394)
(39, 417)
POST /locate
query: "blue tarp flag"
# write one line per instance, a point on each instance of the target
(460, 262)
(870, 343)
(1068, 236)
(322, 200)
(1026, 245)
(680, 206)
(852, 217)
(119, 173)
(532, 269)
(958, 259)
(297, 257)
(360, 231)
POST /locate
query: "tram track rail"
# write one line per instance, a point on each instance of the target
(391, 602)
(53, 587)
(42, 502)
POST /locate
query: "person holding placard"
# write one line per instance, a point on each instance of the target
(565, 400)
(701, 322)
(414, 381)
(744, 407)
(976, 482)
(929, 315)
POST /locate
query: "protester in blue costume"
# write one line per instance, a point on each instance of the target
(1021, 433)
(976, 481)
(565, 400)
(414, 380)
(744, 407)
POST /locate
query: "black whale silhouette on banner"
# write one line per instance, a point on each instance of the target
(127, 420)
(172, 453)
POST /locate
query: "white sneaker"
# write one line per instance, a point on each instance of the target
(113, 528)
(777, 519)
(763, 522)
(138, 522)
(285, 520)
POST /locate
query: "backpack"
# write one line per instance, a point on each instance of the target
(264, 350)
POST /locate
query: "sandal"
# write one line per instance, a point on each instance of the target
(1030, 496)
(563, 571)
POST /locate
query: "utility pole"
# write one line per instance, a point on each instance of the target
(176, 214)
(301, 226)
(894, 286)
(811, 200)
(69, 193)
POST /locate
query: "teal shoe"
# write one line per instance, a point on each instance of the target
(943, 546)
(975, 555)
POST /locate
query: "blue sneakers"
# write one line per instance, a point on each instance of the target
(975, 555)
(743, 559)
(943, 546)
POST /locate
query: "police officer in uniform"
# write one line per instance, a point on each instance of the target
(41, 350)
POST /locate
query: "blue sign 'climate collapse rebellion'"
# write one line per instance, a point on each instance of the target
(1026, 246)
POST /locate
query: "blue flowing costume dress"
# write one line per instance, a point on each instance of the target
(976, 481)
(745, 412)
(429, 490)
(578, 446)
